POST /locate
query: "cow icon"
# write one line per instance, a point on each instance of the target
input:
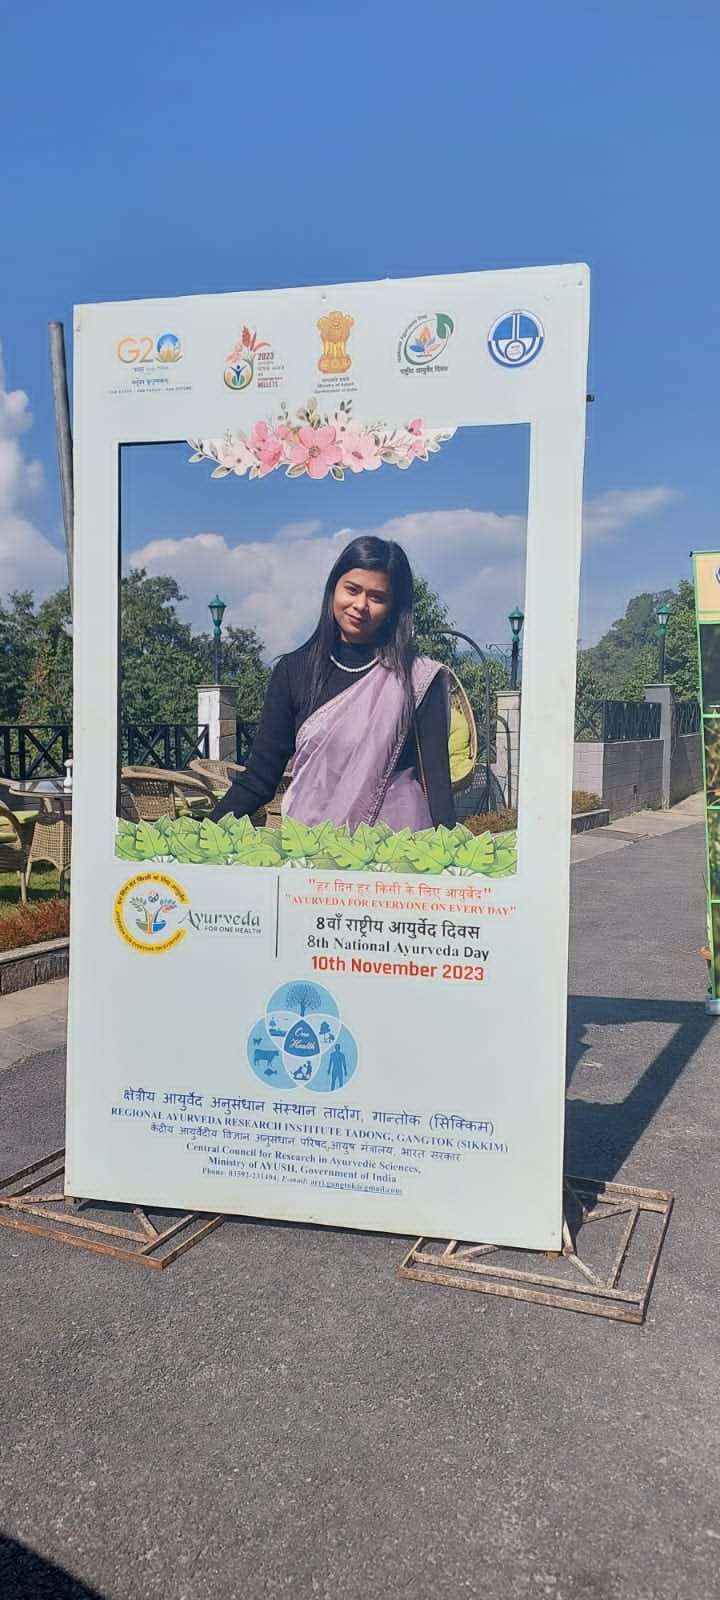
(259, 1056)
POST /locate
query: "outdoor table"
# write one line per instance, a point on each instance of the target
(53, 826)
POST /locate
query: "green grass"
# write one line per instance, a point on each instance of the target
(44, 885)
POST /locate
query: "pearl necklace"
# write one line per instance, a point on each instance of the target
(343, 668)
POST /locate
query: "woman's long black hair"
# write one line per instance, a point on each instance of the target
(395, 639)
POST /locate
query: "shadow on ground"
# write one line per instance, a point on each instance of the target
(24, 1575)
(600, 1134)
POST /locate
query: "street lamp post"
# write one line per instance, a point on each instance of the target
(216, 608)
(662, 612)
(516, 620)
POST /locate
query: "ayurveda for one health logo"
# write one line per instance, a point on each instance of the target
(148, 912)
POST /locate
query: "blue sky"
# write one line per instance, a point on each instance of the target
(170, 149)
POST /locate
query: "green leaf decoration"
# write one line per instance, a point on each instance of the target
(293, 472)
(476, 853)
(125, 847)
(299, 840)
(240, 830)
(235, 842)
(356, 851)
(444, 325)
(393, 848)
(337, 472)
(430, 854)
(149, 841)
(213, 839)
(257, 853)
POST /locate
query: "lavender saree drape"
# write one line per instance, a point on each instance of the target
(346, 753)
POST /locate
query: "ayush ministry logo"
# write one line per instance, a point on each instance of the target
(425, 340)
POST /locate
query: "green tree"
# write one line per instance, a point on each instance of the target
(627, 658)
(158, 669)
(681, 651)
(431, 616)
(641, 670)
(17, 643)
(241, 665)
(47, 692)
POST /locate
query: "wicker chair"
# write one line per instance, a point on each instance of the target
(147, 793)
(273, 811)
(217, 774)
(15, 845)
(220, 774)
(51, 839)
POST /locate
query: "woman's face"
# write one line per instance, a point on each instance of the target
(361, 604)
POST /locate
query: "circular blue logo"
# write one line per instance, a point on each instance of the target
(301, 1041)
(516, 338)
(168, 347)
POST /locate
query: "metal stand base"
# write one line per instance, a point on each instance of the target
(30, 1207)
(624, 1256)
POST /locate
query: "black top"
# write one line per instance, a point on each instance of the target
(286, 708)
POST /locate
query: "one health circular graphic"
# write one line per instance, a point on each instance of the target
(301, 1042)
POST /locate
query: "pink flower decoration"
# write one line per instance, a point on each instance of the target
(410, 443)
(268, 446)
(238, 456)
(359, 450)
(315, 449)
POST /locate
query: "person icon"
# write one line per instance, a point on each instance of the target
(337, 1065)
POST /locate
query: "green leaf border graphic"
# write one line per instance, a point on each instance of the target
(234, 842)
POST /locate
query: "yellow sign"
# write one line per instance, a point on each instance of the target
(335, 331)
(147, 912)
(707, 586)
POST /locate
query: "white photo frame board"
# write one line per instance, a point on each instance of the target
(449, 1117)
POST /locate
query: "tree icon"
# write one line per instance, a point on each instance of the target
(302, 997)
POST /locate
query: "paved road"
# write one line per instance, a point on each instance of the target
(279, 1416)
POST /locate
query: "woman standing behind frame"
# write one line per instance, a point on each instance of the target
(364, 718)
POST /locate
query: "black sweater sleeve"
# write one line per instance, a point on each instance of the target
(432, 721)
(272, 748)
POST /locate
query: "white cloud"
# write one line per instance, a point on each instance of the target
(27, 559)
(474, 559)
(610, 512)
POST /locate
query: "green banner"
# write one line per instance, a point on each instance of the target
(706, 570)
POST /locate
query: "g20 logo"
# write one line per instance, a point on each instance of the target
(146, 351)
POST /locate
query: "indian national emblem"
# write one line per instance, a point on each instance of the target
(334, 331)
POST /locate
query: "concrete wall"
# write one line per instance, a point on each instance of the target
(588, 767)
(627, 774)
(685, 767)
(632, 776)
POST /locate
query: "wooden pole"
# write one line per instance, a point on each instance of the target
(63, 431)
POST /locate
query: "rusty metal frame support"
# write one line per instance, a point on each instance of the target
(24, 1198)
(458, 1265)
